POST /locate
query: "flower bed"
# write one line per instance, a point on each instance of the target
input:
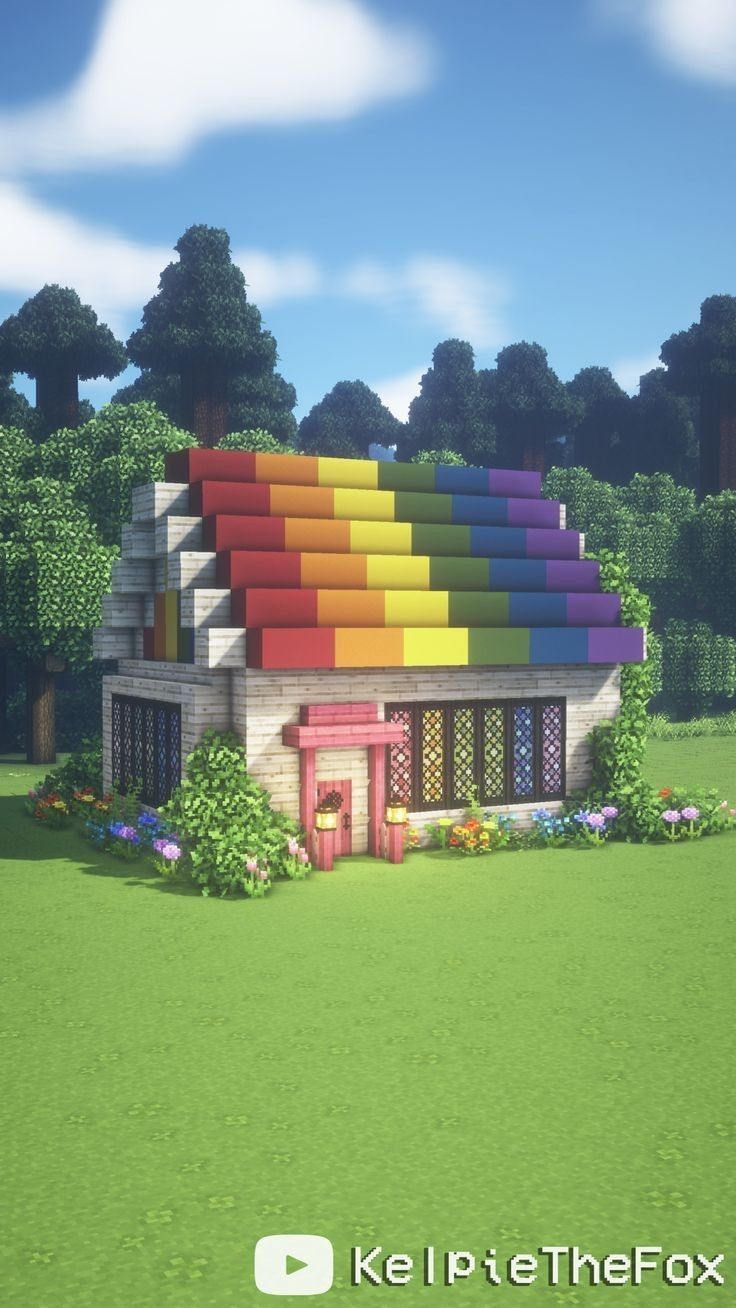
(588, 822)
(242, 853)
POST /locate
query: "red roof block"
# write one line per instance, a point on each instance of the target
(303, 647)
(276, 607)
(259, 568)
(195, 465)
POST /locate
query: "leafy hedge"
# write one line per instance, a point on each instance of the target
(225, 822)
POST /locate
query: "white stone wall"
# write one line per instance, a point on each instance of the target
(263, 701)
(257, 704)
(205, 699)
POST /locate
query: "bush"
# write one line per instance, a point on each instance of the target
(698, 667)
(233, 841)
(83, 769)
(721, 724)
(257, 439)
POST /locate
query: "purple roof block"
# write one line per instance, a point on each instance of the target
(583, 574)
(616, 645)
(533, 513)
(596, 610)
(504, 481)
(545, 543)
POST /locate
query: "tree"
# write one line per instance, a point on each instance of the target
(262, 403)
(15, 411)
(447, 457)
(261, 441)
(450, 412)
(529, 404)
(702, 362)
(53, 574)
(349, 419)
(123, 446)
(602, 423)
(708, 562)
(201, 328)
(17, 464)
(57, 340)
(660, 435)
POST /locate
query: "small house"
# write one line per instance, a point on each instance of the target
(371, 630)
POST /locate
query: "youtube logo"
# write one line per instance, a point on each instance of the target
(293, 1264)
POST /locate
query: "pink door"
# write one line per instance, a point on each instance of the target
(344, 833)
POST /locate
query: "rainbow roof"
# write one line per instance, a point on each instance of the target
(348, 563)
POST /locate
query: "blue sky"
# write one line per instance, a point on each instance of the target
(391, 172)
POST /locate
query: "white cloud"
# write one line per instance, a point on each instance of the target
(40, 244)
(117, 276)
(628, 371)
(697, 37)
(164, 73)
(397, 393)
(270, 279)
(454, 297)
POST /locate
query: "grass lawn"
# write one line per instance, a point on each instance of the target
(523, 1049)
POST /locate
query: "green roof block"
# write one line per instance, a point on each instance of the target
(498, 646)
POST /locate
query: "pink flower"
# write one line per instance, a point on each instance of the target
(170, 851)
(671, 815)
(251, 866)
(596, 821)
(303, 856)
(723, 803)
(690, 813)
(609, 812)
(263, 874)
(293, 847)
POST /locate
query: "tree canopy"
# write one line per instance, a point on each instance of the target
(201, 327)
(53, 574)
(349, 419)
(603, 420)
(701, 361)
(123, 446)
(450, 411)
(529, 404)
(57, 340)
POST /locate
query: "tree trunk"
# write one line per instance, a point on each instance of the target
(727, 452)
(4, 733)
(57, 399)
(533, 459)
(40, 713)
(204, 397)
(717, 444)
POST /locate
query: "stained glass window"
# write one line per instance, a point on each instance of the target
(401, 757)
(553, 762)
(432, 759)
(463, 753)
(494, 751)
(510, 750)
(523, 751)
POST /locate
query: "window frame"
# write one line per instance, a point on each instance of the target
(135, 710)
(537, 703)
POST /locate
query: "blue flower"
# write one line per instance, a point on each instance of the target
(147, 820)
(541, 814)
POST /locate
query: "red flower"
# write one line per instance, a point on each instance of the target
(665, 793)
